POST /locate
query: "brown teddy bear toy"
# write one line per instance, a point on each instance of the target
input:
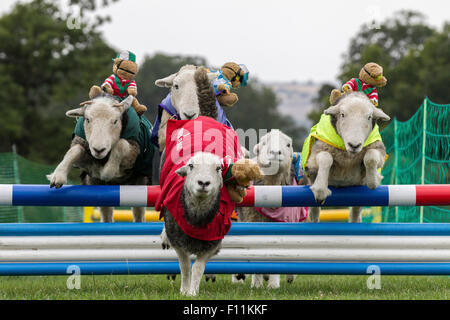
(370, 77)
(230, 75)
(243, 171)
(121, 83)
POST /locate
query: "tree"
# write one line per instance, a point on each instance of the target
(48, 67)
(415, 58)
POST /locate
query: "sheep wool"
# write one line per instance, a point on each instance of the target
(184, 138)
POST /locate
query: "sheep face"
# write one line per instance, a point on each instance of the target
(183, 91)
(203, 173)
(274, 152)
(102, 123)
(354, 117)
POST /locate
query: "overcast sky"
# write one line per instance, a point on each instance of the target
(279, 40)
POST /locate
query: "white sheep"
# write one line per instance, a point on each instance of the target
(354, 157)
(184, 97)
(104, 157)
(200, 199)
(274, 154)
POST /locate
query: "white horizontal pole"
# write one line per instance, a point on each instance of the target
(243, 242)
(349, 255)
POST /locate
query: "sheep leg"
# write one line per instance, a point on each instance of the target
(197, 272)
(355, 214)
(257, 280)
(119, 152)
(185, 269)
(274, 281)
(59, 176)
(165, 244)
(372, 161)
(138, 214)
(290, 278)
(320, 185)
(106, 214)
(314, 214)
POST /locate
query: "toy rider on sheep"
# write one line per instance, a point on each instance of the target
(121, 83)
(370, 77)
(230, 75)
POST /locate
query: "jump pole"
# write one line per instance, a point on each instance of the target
(260, 196)
(385, 246)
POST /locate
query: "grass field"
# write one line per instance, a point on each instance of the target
(305, 287)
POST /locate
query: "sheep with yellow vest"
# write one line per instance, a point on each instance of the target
(344, 149)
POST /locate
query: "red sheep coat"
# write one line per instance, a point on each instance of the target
(183, 139)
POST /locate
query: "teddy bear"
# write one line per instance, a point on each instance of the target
(121, 83)
(370, 77)
(230, 75)
(243, 172)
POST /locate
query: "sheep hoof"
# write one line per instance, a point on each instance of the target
(165, 245)
(240, 276)
(171, 277)
(374, 181)
(210, 276)
(57, 180)
(320, 194)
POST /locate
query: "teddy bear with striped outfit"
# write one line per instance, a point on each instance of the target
(121, 83)
(370, 77)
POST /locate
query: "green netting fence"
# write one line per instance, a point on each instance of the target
(419, 153)
(15, 169)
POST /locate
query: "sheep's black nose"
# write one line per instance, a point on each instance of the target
(189, 116)
(203, 184)
(99, 150)
(275, 152)
(354, 146)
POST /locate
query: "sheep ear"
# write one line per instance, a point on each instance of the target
(75, 113)
(333, 110)
(166, 82)
(182, 172)
(125, 104)
(378, 114)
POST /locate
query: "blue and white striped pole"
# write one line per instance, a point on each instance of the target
(259, 196)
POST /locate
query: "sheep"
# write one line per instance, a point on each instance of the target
(200, 96)
(104, 157)
(274, 154)
(183, 100)
(200, 199)
(183, 97)
(356, 155)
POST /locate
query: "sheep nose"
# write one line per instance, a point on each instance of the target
(189, 116)
(99, 150)
(354, 146)
(275, 152)
(203, 184)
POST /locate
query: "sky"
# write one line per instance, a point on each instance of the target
(278, 40)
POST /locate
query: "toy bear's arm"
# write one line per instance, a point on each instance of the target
(132, 88)
(108, 84)
(221, 84)
(350, 85)
(373, 96)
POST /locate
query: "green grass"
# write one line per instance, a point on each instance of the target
(157, 287)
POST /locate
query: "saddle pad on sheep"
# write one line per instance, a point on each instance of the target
(183, 139)
(135, 128)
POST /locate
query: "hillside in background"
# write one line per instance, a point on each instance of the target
(295, 99)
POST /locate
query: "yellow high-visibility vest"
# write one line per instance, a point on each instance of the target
(324, 131)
